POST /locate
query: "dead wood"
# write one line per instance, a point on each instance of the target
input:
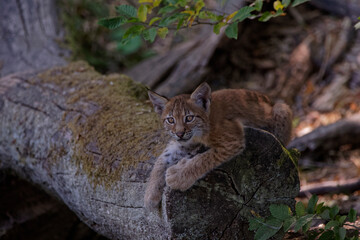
(183, 68)
(331, 137)
(29, 36)
(339, 7)
(331, 187)
(293, 75)
(91, 141)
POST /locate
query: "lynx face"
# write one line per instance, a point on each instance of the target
(182, 122)
(185, 117)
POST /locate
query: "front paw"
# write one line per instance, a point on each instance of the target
(152, 199)
(178, 178)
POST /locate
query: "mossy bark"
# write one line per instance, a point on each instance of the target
(91, 140)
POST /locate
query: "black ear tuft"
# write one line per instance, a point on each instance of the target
(158, 101)
(202, 96)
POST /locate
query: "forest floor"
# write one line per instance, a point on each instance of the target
(308, 58)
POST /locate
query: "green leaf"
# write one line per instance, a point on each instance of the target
(243, 13)
(269, 229)
(232, 30)
(255, 223)
(217, 27)
(285, 3)
(331, 224)
(142, 13)
(341, 233)
(327, 235)
(168, 20)
(180, 23)
(266, 16)
(288, 223)
(167, 9)
(128, 47)
(112, 23)
(325, 214)
(320, 208)
(334, 211)
(298, 2)
(302, 221)
(312, 204)
(162, 32)
(281, 212)
(149, 34)
(300, 209)
(306, 227)
(126, 11)
(155, 19)
(258, 5)
(352, 215)
(134, 31)
(341, 220)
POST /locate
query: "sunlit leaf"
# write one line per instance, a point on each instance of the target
(145, 1)
(199, 5)
(228, 18)
(217, 27)
(142, 13)
(190, 12)
(156, 3)
(278, 5)
(162, 32)
(153, 20)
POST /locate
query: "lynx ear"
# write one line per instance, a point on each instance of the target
(158, 101)
(202, 96)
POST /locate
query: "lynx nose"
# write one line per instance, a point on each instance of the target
(180, 134)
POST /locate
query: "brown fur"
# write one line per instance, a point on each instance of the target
(216, 121)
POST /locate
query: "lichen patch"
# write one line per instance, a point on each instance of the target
(121, 131)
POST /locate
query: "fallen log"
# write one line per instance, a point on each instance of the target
(91, 141)
(331, 187)
(320, 141)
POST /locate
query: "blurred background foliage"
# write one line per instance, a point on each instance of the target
(95, 44)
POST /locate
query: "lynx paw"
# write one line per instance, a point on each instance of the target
(152, 199)
(176, 177)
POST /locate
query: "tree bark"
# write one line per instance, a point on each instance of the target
(29, 36)
(91, 141)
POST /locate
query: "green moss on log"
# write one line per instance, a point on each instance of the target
(122, 131)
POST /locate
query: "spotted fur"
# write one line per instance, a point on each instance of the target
(207, 130)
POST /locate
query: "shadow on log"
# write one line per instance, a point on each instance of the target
(91, 141)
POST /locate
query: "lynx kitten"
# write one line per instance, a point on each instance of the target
(207, 130)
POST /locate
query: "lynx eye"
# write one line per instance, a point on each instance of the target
(189, 118)
(170, 120)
